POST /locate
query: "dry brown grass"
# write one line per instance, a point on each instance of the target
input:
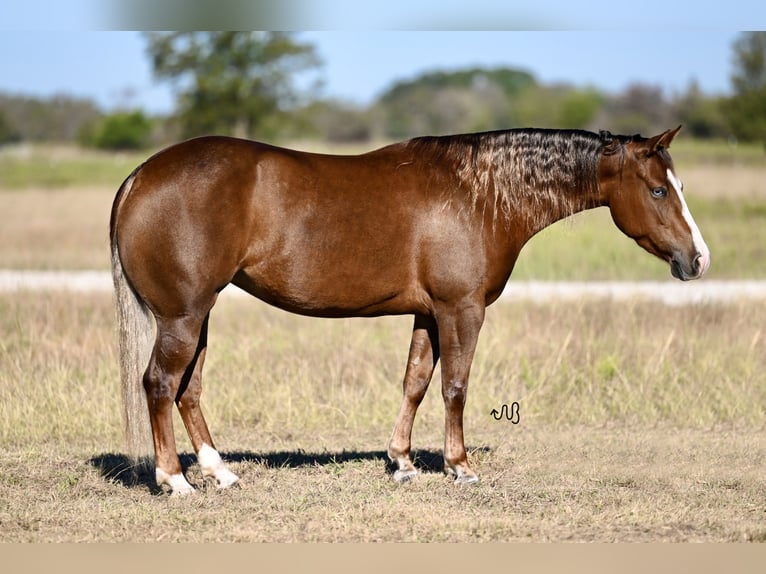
(55, 229)
(638, 423)
(724, 181)
(579, 484)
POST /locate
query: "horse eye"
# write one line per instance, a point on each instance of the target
(659, 192)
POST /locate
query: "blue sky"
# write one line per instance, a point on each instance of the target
(365, 46)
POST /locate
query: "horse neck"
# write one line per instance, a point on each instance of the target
(522, 180)
(532, 178)
(540, 210)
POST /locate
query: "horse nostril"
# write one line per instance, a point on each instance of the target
(701, 263)
(696, 264)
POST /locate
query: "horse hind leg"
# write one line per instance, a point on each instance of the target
(188, 401)
(174, 352)
(423, 356)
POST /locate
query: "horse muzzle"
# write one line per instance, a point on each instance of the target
(685, 269)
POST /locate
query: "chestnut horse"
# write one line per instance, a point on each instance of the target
(429, 227)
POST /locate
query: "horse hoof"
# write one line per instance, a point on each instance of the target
(467, 479)
(230, 482)
(226, 480)
(177, 483)
(182, 492)
(405, 476)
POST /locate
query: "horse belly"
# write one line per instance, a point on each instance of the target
(326, 283)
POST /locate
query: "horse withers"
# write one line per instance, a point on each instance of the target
(429, 227)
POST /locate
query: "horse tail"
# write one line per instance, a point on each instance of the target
(135, 331)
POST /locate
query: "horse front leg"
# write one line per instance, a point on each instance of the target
(459, 328)
(423, 356)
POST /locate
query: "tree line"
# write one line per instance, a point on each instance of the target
(244, 84)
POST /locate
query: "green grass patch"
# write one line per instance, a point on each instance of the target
(48, 167)
(692, 152)
(588, 246)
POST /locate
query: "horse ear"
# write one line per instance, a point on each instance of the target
(667, 137)
(661, 141)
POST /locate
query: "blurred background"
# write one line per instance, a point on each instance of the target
(80, 108)
(133, 90)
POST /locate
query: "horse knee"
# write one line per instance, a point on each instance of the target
(160, 388)
(162, 382)
(455, 392)
(174, 352)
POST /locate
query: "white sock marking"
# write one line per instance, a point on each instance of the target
(212, 465)
(177, 482)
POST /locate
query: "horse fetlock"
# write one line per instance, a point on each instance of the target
(461, 473)
(223, 477)
(403, 476)
(213, 467)
(405, 471)
(177, 483)
(467, 478)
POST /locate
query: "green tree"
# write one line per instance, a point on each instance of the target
(238, 83)
(56, 119)
(473, 99)
(557, 106)
(640, 108)
(335, 121)
(579, 108)
(8, 133)
(700, 115)
(121, 131)
(746, 109)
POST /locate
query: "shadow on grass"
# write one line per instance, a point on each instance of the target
(124, 470)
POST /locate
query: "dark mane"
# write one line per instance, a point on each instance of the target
(518, 169)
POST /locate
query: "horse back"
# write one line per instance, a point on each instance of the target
(315, 234)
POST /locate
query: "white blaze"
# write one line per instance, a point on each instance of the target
(699, 242)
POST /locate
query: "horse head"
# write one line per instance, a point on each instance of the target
(646, 200)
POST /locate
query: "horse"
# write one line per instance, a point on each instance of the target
(429, 227)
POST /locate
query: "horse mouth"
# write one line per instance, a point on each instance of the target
(677, 270)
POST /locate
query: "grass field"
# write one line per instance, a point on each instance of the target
(638, 422)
